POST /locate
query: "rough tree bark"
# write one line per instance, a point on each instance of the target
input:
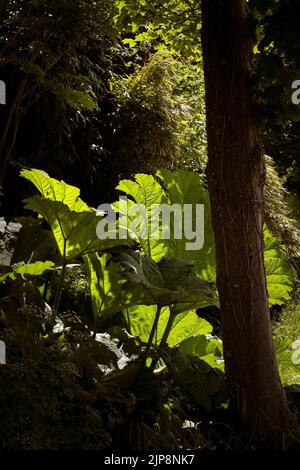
(235, 176)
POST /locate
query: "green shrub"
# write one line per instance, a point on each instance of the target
(286, 331)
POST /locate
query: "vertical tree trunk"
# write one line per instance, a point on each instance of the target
(236, 175)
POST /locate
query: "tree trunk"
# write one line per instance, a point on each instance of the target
(236, 174)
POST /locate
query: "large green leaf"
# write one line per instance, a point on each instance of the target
(73, 223)
(74, 232)
(194, 292)
(204, 384)
(22, 269)
(140, 320)
(280, 274)
(206, 347)
(283, 351)
(56, 190)
(186, 324)
(186, 188)
(146, 193)
(168, 282)
(106, 281)
(176, 190)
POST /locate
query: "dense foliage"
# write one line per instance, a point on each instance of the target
(115, 342)
(143, 303)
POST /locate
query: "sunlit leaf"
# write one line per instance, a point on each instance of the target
(280, 274)
(30, 269)
(185, 324)
(106, 281)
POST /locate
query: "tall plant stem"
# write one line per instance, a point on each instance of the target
(60, 284)
(164, 337)
(150, 340)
